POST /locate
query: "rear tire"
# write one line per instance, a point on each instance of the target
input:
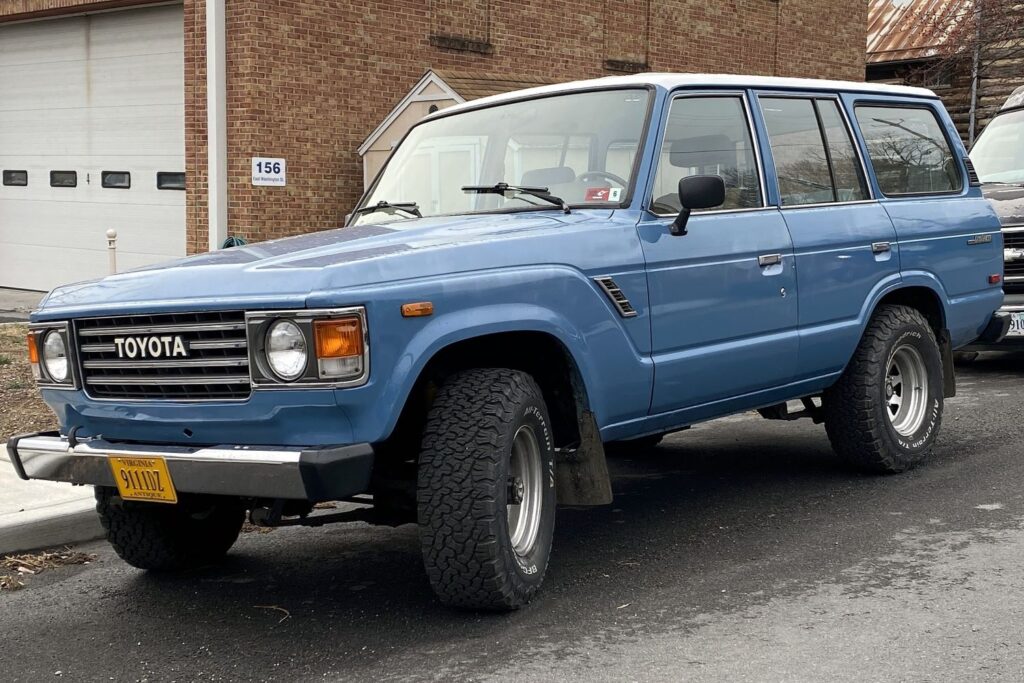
(198, 530)
(884, 413)
(487, 443)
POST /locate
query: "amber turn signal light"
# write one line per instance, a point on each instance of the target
(33, 349)
(341, 338)
(417, 310)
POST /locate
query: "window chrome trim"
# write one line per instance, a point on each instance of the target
(38, 331)
(818, 205)
(754, 141)
(263, 379)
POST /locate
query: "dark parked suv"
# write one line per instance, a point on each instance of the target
(998, 156)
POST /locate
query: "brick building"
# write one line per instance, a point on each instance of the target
(310, 80)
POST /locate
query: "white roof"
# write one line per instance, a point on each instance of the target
(670, 81)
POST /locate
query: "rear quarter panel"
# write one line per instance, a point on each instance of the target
(949, 243)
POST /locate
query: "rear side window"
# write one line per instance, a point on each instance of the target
(908, 150)
(815, 161)
(707, 136)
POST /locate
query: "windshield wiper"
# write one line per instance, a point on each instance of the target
(516, 190)
(408, 207)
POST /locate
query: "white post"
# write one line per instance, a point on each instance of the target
(112, 250)
(216, 124)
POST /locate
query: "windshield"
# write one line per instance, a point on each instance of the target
(581, 147)
(998, 155)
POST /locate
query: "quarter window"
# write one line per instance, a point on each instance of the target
(908, 150)
(707, 136)
(16, 178)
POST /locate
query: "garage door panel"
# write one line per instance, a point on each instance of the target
(39, 265)
(44, 42)
(143, 31)
(89, 94)
(144, 229)
(144, 131)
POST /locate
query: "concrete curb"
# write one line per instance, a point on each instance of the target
(42, 514)
(62, 525)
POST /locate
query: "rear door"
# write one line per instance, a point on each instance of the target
(722, 297)
(844, 242)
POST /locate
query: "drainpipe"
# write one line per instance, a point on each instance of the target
(975, 76)
(216, 124)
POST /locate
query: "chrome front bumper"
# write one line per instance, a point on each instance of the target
(316, 474)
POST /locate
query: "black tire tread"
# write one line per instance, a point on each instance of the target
(161, 537)
(854, 429)
(460, 515)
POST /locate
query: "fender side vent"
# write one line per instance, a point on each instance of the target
(619, 299)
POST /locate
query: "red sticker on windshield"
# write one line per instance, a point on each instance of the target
(597, 194)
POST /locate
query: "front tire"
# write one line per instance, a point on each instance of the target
(198, 530)
(486, 490)
(884, 413)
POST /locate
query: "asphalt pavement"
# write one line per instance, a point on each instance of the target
(740, 550)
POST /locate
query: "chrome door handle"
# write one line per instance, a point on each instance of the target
(880, 247)
(766, 260)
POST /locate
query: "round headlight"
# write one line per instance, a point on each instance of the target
(55, 356)
(286, 350)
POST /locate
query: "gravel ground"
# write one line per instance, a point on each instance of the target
(21, 409)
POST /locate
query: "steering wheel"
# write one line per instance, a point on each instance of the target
(602, 175)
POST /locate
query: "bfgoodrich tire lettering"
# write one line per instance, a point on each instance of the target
(197, 531)
(480, 423)
(884, 413)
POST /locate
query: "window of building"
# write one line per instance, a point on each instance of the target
(120, 180)
(63, 178)
(815, 160)
(170, 181)
(16, 178)
(707, 136)
(908, 150)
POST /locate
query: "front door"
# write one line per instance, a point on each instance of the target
(722, 297)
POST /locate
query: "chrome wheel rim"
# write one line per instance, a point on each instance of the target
(906, 390)
(524, 500)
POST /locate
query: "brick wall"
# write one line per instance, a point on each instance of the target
(309, 79)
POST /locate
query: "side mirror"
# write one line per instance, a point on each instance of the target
(697, 192)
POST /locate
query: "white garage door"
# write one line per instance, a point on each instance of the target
(91, 111)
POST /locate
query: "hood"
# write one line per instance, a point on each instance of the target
(1008, 201)
(286, 272)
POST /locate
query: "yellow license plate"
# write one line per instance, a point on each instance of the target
(144, 478)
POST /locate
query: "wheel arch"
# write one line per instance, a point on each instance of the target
(582, 475)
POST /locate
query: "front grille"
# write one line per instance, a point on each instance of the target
(1014, 270)
(211, 362)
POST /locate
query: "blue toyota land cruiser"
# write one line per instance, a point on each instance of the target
(530, 277)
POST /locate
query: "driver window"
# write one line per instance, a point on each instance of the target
(707, 136)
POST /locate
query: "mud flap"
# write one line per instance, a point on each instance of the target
(581, 474)
(948, 372)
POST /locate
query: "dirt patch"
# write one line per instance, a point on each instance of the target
(13, 568)
(21, 409)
